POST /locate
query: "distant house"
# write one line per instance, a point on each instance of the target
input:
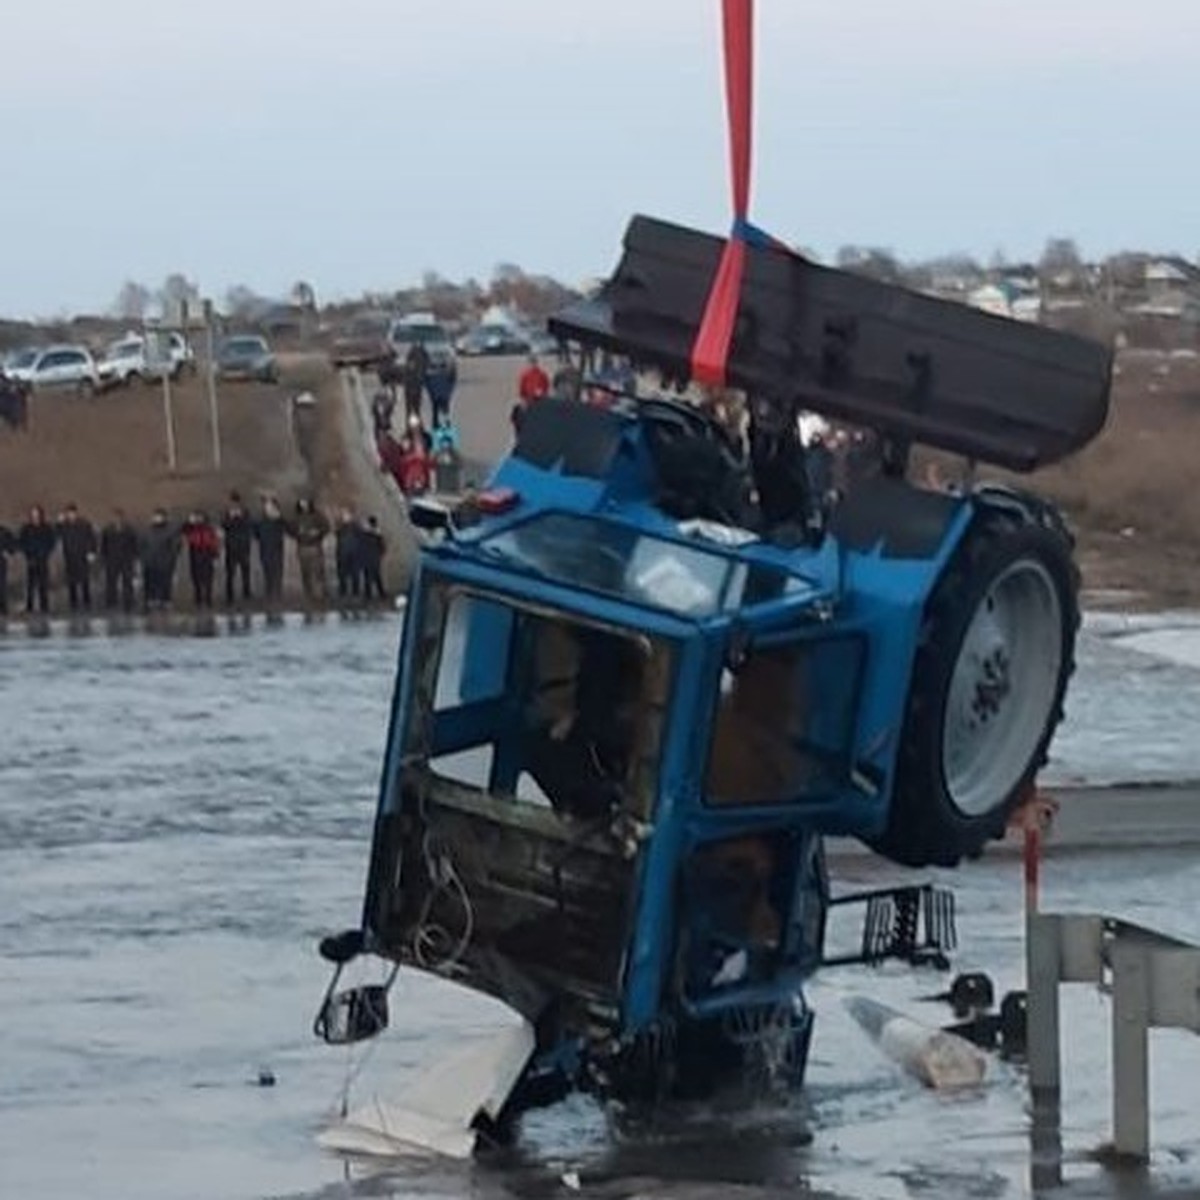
(1176, 304)
(1027, 308)
(1172, 291)
(1023, 279)
(992, 297)
(1007, 298)
(1170, 274)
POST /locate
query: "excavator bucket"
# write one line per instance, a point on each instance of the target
(914, 367)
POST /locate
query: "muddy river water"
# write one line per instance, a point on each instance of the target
(181, 818)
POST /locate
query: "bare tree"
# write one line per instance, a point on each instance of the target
(508, 273)
(304, 296)
(870, 260)
(176, 292)
(242, 301)
(132, 301)
(1061, 260)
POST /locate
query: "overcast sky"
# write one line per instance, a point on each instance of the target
(357, 143)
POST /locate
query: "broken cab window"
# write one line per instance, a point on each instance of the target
(784, 723)
(543, 709)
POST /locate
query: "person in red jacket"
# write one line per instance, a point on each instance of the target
(416, 468)
(534, 382)
(533, 385)
(203, 544)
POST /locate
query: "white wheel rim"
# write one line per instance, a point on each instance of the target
(1003, 689)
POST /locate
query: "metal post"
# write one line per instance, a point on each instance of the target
(210, 370)
(1131, 1055)
(169, 417)
(1042, 970)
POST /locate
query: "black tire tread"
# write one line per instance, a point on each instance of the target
(923, 827)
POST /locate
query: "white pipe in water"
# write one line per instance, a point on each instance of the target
(938, 1059)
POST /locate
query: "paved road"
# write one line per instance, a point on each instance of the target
(487, 390)
(1126, 817)
(481, 405)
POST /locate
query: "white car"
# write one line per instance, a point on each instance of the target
(426, 329)
(65, 367)
(134, 358)
(124, 362)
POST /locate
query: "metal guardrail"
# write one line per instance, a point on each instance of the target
(1154, 981)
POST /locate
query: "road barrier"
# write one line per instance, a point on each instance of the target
(1154, 981)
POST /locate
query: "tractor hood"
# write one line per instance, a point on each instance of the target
(917, 368)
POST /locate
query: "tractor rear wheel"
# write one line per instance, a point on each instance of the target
(997, 649)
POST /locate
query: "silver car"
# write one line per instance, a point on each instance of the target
(65, 367)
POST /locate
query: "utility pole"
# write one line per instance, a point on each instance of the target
(210, 366)
(169, 418)
(152, 341)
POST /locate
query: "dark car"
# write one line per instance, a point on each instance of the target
(246, 356)
(363, 342)
(493, 340)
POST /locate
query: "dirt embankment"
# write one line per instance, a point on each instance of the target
(112, 451)
(1134, 494)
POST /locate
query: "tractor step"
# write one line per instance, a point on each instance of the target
(914, 924)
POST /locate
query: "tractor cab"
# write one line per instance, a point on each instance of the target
(603, 745)
(617, 738)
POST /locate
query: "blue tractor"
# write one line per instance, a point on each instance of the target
(645, 673)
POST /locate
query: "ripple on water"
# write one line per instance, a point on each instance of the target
(181, 819)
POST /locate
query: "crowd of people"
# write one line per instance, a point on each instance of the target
(128, 559)
(425, 457)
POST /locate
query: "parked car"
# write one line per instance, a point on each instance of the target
(363, 342)
(426, 329)
(183, 357)
(62, 367)
(19, 364)
(246, 356)
(543, 344)
(493, 340)
(134, 357)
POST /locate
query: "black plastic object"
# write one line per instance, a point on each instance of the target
(1006, 1030)
(340, 948)
(972, 992)
(917, 368)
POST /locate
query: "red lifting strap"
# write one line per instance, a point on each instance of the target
(711, 350)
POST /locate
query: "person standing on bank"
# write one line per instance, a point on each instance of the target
(309, 529)
(239, 536)
(203, 543)
(78, 539)
(160, 552)
(270, 530)
(348, 553)
(416, 373)
(36, 541)
(119, 554)
(8, 545)
(373, 549)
